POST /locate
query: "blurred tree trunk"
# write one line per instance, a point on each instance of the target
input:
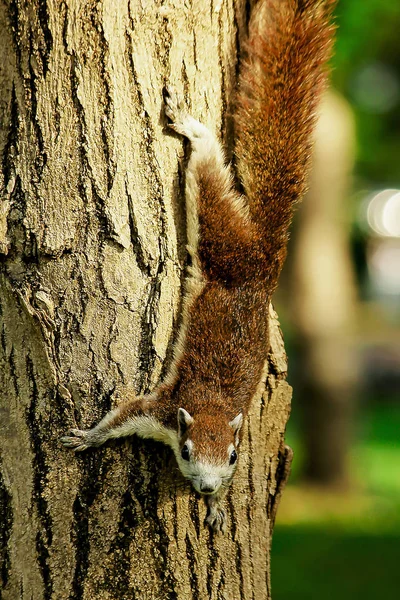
(92, 245)
(323, 299)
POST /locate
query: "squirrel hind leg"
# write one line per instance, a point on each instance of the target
(201, 138)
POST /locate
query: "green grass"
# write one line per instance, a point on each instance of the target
(344, 546)
(323, 563)
(378, 451)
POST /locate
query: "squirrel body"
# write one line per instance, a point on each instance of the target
(237, 244)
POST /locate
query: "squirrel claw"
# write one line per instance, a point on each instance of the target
(216, 520)
(181, 121)
(174, 106)
(75, 441)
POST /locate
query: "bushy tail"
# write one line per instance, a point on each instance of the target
(282, 76)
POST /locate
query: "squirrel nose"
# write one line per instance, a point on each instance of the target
(206, 489)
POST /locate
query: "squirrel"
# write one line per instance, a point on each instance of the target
(237, 243)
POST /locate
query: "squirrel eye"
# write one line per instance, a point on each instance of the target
(185, 452)
(233, 457)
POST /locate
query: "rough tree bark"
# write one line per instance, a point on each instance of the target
(92, 253)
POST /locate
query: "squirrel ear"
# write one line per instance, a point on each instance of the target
(184, 421)
(236, 425)
(237, 422)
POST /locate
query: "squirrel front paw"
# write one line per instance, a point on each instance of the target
(216, 519)
(78, 440)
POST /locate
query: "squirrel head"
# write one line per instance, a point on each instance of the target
(207, 449)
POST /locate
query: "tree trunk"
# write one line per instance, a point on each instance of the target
(93, 247)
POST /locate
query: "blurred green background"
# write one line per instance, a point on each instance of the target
(338, 527)
(331, 544)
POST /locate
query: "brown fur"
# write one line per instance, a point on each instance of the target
(238, 246)
(229, 247)
(210, 441)
(281, 80)
(241, 253)
(282, 76)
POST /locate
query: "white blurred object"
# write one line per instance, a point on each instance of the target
(384, 266)
(383, 213)
(383, 250)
